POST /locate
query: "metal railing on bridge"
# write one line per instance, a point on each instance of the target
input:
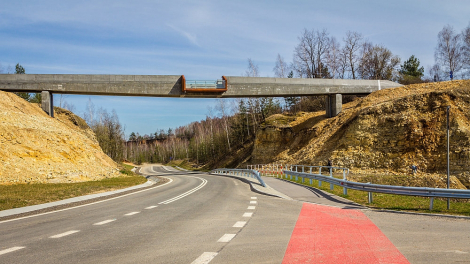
(315, 173)
(217, 84)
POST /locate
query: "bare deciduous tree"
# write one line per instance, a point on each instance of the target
(466, 47)
(281, 69)
(352, 45)
(310, 53)
(333, 58)
(378, 63)
(252, 70)
(448, 52)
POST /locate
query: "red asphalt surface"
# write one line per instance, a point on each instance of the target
(325, 234)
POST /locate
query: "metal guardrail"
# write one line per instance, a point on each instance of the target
(240, 172)
(206, 84)
(288, 172)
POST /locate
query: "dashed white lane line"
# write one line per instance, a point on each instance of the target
(253, 202)
(254, 198)
(239, 224)
(8, 250)
(205, 258)
(65, 234)
(251, 207)
(226, 238)
(247, 214)
(131, 213)
(204, 181)
(150, 207)
(105, 222)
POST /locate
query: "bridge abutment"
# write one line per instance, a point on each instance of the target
(47, 103)
(334, 104)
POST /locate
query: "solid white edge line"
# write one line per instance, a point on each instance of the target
(251, 208)
(205, 258)
(105, 222)
(78, 206)
(8, 250)
(247, 214)
(150, 207)
(226, 238)
(131, 213)
(65, 234)
(204, 182)
(240, 224)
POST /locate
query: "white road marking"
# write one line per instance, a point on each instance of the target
(247, 214)
(205, 258)
(131, 213)
(105, 222)
(65, 234)
(150, 207)
(254, 198)
(251, 207)
(204, 181)
(78, 206)
(239, 224)
(253, 202)
(8, 250)
(226, 238)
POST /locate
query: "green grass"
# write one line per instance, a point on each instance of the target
(396, 202)
(19, 195)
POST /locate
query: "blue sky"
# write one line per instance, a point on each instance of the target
(200, 39)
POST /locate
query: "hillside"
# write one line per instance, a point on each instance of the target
(383, 133)
(37, 148)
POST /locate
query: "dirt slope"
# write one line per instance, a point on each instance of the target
(385, 133)
(37, 148)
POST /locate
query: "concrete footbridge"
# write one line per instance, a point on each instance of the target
(178, 86)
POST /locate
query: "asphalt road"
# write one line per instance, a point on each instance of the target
(192, 218)
(420, 238)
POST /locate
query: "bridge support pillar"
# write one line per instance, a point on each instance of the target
(47, 103)
(334, 105)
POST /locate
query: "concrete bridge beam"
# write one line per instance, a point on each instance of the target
(334, 104)
(47, 103)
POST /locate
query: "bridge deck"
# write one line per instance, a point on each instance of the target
(172, 85)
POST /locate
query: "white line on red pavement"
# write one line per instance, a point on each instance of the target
(205, 258)
(8, 250)
(226, 238)
(105, 222)
(65, 234)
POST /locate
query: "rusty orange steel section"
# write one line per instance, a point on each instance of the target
(203, 90)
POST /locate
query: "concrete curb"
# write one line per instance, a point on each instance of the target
(28, 209)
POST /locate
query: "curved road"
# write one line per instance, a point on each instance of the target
(192, 218)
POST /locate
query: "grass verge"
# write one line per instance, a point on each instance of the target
(395, 202)
(20, 195)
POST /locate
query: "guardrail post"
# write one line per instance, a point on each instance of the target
(319, 182)
(311, 181)
(369, 196)
(345, 190)
(431, 205)
(331, 175)
(303, 168)
(303, 179)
